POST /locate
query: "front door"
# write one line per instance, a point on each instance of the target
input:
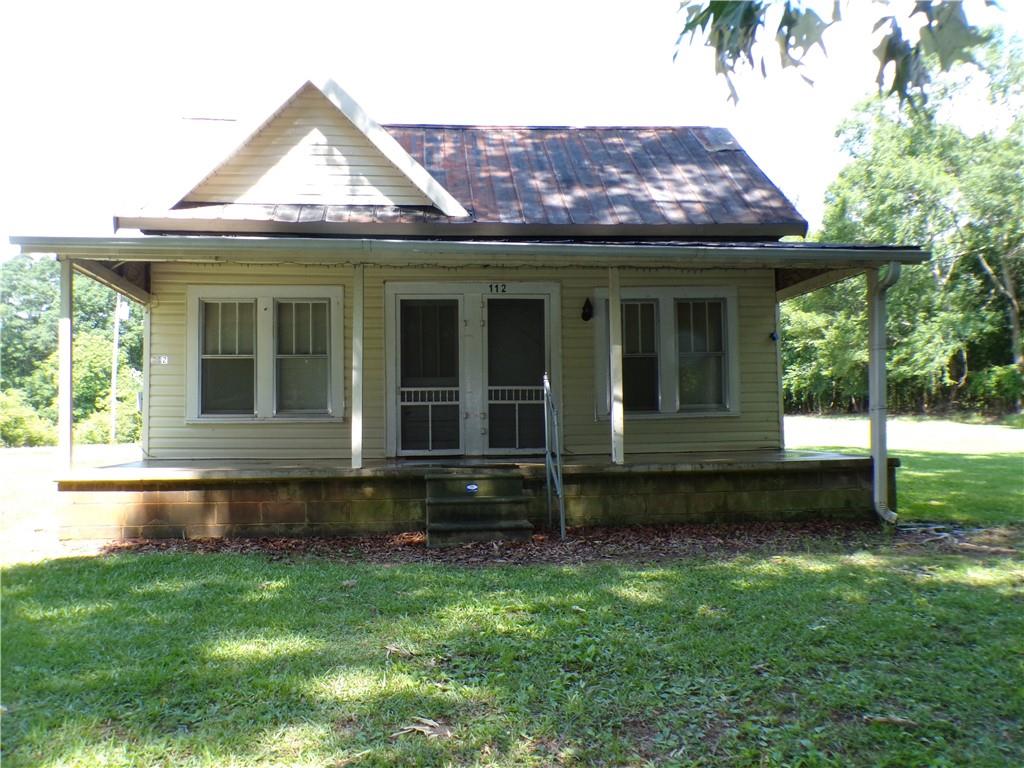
(467, 367)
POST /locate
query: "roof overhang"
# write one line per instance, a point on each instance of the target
(299, 250)
(180, 222)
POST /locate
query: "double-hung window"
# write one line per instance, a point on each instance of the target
(679, 351)
(264, 352)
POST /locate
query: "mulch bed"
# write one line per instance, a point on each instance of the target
(635, 544)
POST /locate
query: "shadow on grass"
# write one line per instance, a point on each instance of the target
(963, 488)
(205, 660)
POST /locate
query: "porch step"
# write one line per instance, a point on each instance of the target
(471, 507)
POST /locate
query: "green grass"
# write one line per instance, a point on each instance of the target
(234, 660)
(967, 489)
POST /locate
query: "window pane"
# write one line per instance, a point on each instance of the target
(228, 328)
(640, 383)
(285, 328)
(647, 328)
(211, 328)
(701, 381)
(302, 384)
(320, 331)
(684, 318)
(227, 386)
(246, 327)
(302, 329)
(716, 327)
(630, 328)
(700, 326)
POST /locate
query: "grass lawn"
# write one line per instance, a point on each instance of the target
(881, 656)
(974, 489)
(815, 659)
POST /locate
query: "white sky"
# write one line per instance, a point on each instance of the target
(94, 94)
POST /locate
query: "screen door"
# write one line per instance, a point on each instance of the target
(516, 357)
(429, 401)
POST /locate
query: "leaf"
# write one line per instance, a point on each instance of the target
(397, 650)
(948, 35)
(432, 729)
(349, 583)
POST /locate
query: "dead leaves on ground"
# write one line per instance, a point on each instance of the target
(634, 544)
(432, 729)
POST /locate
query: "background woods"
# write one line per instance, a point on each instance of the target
(954, 322)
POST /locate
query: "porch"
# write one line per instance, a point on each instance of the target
(264, 497)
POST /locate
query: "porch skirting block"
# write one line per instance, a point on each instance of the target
(150, 501)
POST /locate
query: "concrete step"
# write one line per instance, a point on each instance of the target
(473, 485)
(494, 508)
(455, 533)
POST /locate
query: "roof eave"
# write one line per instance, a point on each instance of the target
(463, 252)
(455, 230)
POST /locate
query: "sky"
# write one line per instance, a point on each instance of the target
(112, 106)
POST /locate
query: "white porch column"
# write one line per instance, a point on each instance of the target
(356, 422)
(877, 410)
(615, 366)
(64, 329)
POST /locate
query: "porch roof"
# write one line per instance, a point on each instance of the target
(483, 252)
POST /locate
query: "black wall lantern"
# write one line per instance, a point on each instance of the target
(587, 312)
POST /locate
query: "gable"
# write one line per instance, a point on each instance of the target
(309, 151)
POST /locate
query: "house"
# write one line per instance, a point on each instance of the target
(349, 326)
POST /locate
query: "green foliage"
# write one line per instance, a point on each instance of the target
(733, 28)
(20, 425)
(29, 306)
(96, 427)
(954, 323)
(90, 374)
(997, 388)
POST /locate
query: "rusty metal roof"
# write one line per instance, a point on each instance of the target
(544, 181)
(616, 175)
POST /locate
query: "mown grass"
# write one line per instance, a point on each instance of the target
(815, 659)
(970, 489)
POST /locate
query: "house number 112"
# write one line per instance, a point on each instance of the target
(498, 288)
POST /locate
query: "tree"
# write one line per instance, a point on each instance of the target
(733, 28)
(29, 305)
(955, 321)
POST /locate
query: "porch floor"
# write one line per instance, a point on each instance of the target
(219, 470)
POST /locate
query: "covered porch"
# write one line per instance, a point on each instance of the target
(201, 498)
(363, 492)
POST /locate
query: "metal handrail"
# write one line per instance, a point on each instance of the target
(553, 456)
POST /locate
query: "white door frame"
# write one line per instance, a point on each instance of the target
(472, 352)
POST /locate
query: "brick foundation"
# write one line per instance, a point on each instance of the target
(394, 500)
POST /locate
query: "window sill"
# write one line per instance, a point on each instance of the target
(272, 420)
(652, 416)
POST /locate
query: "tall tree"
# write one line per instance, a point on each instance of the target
(916, 179)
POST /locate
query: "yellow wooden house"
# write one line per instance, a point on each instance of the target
(478, 330)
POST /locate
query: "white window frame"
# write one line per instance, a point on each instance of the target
(668, 350)
(265, 297)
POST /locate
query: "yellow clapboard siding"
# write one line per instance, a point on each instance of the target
(309, 153)
(757, 425)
